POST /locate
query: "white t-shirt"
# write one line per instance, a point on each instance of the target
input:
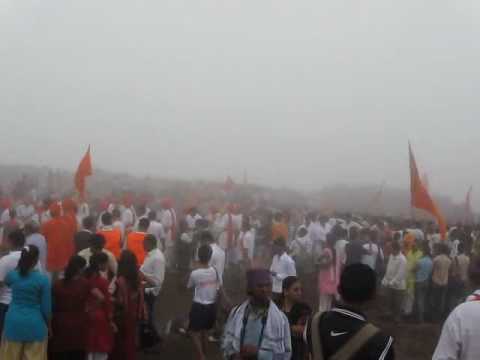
(206, 284)
(370, 259)
(156, 228)
(283, 266)
(247, 241)
(218, 261)
(460, 334)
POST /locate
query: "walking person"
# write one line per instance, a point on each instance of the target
(282, 267)
(68, 322)
(28, 318)
(327, 279)
(205, 282)
(423, 273)
(395, 281)
(129, 307)
(153, 270)
(99, 310)
(297, 313)
(440, 274)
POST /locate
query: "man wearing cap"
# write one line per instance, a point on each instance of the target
(257, 329)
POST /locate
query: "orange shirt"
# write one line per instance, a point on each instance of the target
(59, 246)
(113, 240)
(135, 245)
(279, 229)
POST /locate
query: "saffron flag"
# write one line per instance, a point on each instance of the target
(420, 198)
(84, 170)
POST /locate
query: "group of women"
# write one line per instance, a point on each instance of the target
(83, 316)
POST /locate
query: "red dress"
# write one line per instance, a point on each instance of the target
(68, 321)
(99, 314)
(132, 305)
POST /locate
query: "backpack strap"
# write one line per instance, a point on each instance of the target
(353, 346)
(317, 349)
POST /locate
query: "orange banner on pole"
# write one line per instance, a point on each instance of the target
(84, 170)
(421, 199)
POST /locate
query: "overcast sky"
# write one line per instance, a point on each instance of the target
(299, 93)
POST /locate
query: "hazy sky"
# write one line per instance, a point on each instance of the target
(299, 93)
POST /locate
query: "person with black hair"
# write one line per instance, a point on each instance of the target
(257, 329)
(206, 283)
(27, 320)
(156, 228)
(82, 237)
(327, 279)
(282, 266)
(440, 275)
(99, 310)
(33, 237)
(395, 281)
(14, 243)
(68, 323)
(97, 244)
(344, 332)
(113, 236)
(297, 313)
(136, 238)
(129, 304)
(153, 271)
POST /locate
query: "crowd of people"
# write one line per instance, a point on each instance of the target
(81, 282)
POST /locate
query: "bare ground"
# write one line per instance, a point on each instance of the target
(412, 341)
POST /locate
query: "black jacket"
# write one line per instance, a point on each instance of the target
(339, 325)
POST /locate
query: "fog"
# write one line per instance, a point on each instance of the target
(296, 93)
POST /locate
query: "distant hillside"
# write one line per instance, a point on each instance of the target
(340, 198)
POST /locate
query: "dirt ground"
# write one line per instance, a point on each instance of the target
(412, 341)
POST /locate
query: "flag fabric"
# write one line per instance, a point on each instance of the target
(468, 206)
(421, 199)
(84, 170)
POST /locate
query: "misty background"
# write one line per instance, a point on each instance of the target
(300, 94)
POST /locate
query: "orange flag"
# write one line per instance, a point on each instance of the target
(420, 198)
(84, 170)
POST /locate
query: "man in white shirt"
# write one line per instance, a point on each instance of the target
(33, 237)
(395, 281)
(192, 217)
(218, 255)
(282, 267)
(461, 331)
(156, 229)
(169, 223)
(15, 243)
(246, 242)
(153, 269)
